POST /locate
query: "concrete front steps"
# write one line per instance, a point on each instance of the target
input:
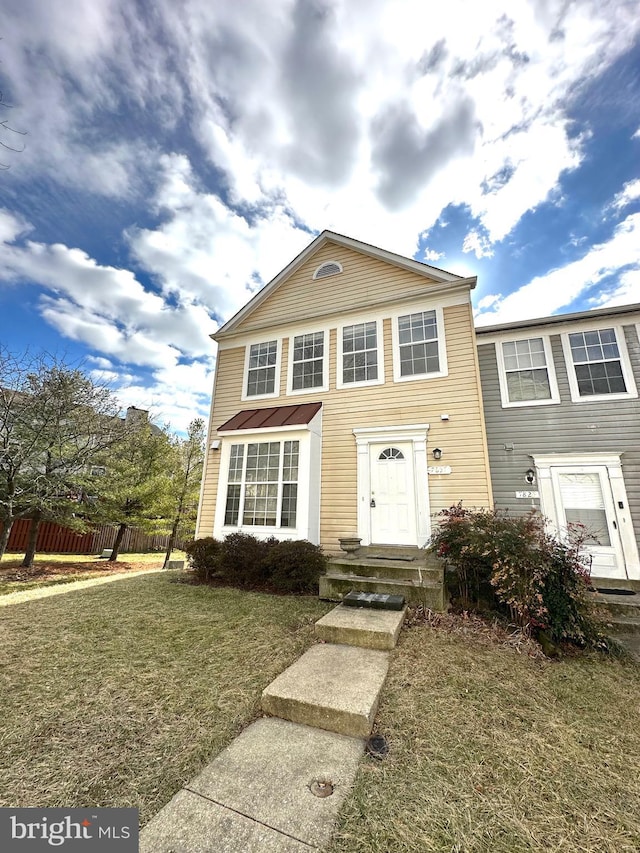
(336, 685)
(279, 786)
(621, 615)
(410, 572)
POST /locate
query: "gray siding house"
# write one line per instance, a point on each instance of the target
(563, 425)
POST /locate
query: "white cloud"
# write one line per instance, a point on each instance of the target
(297, 104)
(629, 193)
(208, 252)
(547, 294)
(478, 243)
(430, 255)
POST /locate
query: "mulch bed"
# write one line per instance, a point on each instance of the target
(43, 571)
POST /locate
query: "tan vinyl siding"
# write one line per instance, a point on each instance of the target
(363, 282)
(421, 401)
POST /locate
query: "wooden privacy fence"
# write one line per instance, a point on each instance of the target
(53, 539)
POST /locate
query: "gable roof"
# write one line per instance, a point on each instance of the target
(432, 273)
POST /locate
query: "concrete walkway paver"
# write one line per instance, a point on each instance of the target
(265, 776)
(47, 591)
(361, 626)
(333, 687)
(257, 795)
(192, 824)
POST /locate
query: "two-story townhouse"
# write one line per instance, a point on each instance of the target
(563, 424)
(346, 402)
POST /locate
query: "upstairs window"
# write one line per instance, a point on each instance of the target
(597, 364)
(526, 372)
(261, 369)
(360, 353)
(308, 362)
(418, 346)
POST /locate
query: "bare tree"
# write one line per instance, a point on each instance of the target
(6, 131)
(189, 456)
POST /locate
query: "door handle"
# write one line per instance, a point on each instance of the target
(373, 503)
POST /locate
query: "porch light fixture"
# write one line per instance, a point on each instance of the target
(530, 476)
(437, 453)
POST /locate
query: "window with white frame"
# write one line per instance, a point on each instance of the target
(308, 361)
(360, 353)
(261, 369)
(262, 486)
(597, 363)
(527, 372)
(418, 343)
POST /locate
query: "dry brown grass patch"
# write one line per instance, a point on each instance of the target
(117, 695)
(494, 749)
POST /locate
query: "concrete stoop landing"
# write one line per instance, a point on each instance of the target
(397, 570)
(265, 792)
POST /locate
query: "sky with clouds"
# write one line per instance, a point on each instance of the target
(178, 155)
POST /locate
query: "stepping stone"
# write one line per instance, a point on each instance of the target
(360, 626)
(332, 687)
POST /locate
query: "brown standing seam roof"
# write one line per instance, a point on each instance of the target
(276, 416)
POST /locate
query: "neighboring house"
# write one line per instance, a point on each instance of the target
(346, 402)
(563, 425)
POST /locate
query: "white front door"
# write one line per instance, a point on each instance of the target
(583, 495)
(392, 501)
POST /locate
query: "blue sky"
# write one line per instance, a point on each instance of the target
(178, 155)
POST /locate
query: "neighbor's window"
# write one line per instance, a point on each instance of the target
(308, 361)
(261, 375)
(597, 363)
(526, 370)
(262, 485)
(418, 341)
(360, 353)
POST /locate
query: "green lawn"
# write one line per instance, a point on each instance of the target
(492, 751)
(117, 695)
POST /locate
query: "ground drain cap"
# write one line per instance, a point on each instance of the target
(377, 746)
(321, 788)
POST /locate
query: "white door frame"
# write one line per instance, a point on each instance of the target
(624, 523)
(416, 435)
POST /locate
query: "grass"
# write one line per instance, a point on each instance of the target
(492, 751)
(117, 695)
(54, 569)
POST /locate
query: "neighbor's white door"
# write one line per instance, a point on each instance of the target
(583, 494)
(392, 500)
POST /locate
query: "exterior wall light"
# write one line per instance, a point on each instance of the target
(437, 453)
(530, 476)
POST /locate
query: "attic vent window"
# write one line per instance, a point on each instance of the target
(330, 268)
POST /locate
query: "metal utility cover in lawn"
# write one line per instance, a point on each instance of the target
(376, 600)
(336, 688)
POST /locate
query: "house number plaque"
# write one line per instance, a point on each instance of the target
(439, 469)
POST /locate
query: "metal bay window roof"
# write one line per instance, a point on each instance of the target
(275, 416)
